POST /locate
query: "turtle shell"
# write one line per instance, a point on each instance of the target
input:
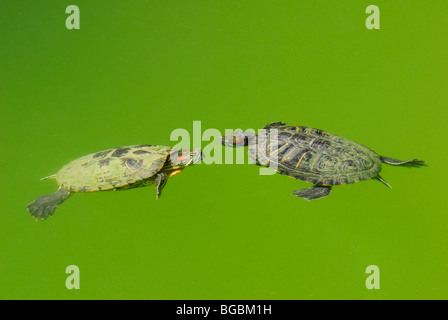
(113, 168)
(314, 155)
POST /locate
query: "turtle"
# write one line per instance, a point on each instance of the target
(313, 155)
(115, 169)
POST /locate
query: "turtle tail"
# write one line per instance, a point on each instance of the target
(53, 176)
(43, 207)
(413, 163)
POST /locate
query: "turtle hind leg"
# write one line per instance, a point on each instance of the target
(312, 193)
(43, 207)
(413, 163)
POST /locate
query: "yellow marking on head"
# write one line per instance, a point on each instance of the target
(300, 160)
(172, 173)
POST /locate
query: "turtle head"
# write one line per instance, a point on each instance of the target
(238, 139)
(196, 156)
(184, 158)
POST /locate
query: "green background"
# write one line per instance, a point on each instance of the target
(136, 70)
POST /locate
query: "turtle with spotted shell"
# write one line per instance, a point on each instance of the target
(313, 155)
(115, 169)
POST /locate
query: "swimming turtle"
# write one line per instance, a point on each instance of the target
(115, 169)
(314, 156)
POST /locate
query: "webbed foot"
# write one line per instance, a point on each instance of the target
(43, 207)
(312, 193)
(413, 163)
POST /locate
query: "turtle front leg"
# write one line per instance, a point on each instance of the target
(312, 193)
(161, 179)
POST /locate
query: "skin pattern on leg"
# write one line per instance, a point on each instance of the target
(160, 182)
(408, 163)
(378, 177)
(43, 207)
(312, 193)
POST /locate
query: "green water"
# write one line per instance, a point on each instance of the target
(137, 70)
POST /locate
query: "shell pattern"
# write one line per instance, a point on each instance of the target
(314, 155)
(116, 168)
